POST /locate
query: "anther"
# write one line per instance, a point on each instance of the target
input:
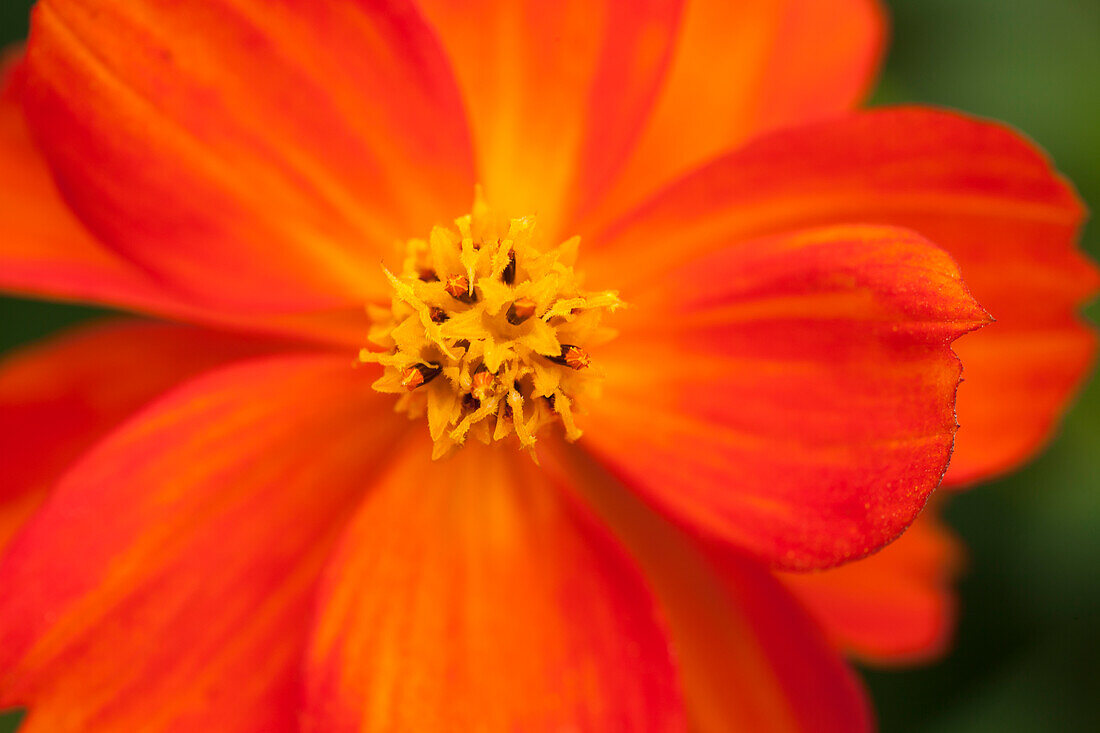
(509, 274)
(573, 357)
(520, 310)
(458, 287)
(438, 315)
(419, 374)
(481, 385)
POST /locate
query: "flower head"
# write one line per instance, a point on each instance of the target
(503, 318)
(242, 532)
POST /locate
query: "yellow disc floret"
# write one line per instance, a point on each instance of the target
(488, 332)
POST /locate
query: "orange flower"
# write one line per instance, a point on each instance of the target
(224, 526)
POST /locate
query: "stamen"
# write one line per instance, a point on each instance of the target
(419, 375)
(458, 286)
(572, 356)
(520, 310)
(482, 385)
(503, 318)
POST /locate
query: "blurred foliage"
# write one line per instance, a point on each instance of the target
(1028, 639)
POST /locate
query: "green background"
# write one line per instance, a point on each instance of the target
(1027, 647)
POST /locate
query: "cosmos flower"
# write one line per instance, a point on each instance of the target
(653, 318)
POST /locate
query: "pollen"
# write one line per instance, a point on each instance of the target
(488, 332)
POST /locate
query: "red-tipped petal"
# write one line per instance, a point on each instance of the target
(252, 155)
(60, 396)
(743, 68)
(556, 91)
(469, 594)
(793, 395)
(167, 584)
(894, 607)
(977, 189)
(749, 658)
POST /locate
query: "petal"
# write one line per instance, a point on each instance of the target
(60, 396)
(556, 91)
(45, 251)
(749, 658)
(792, 395)
(742, 68)
(253, 155)
(976, 189)
(894, 607)
(471, 595)
(167, 582)
(1020, 377)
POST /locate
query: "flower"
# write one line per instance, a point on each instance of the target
(224, 526)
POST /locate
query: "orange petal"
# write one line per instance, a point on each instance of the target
(556, 91)
(58, 397)
(742, 68)
(45, 251)
(167, 583)
(749, 658)
(252, 155)
(470, 594)
(976, 189)
(1020, 377)
(896, 606)
(793, 395)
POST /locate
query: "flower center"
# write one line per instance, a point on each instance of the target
(488, 332)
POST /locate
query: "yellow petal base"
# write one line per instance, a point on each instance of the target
(488, 332)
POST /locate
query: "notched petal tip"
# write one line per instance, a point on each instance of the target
(821, 412)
